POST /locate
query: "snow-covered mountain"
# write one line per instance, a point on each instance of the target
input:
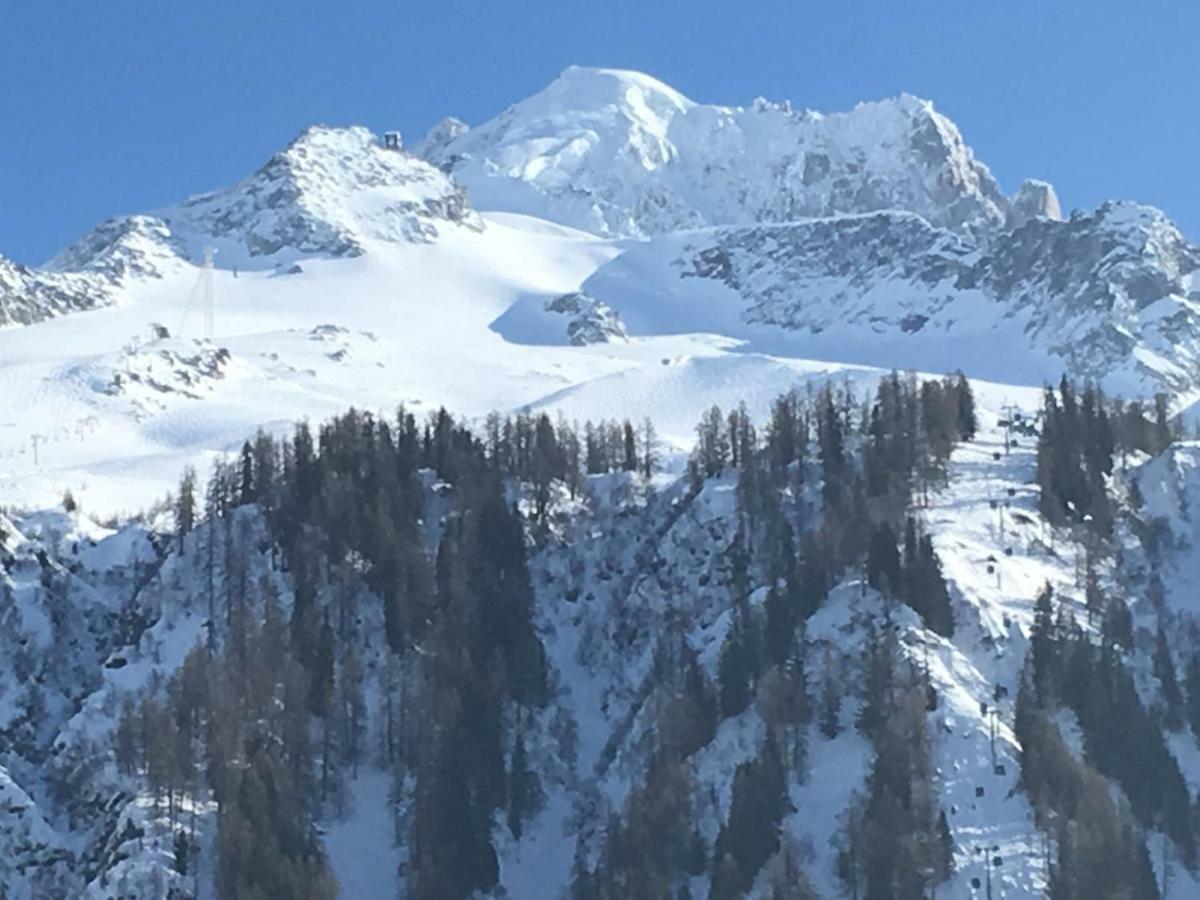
(327, 194)
(29, 295)
(623, 154)
(605, 249)
(612, 223)
(1109, 295)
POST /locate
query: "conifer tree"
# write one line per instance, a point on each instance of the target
(831, 700)
(185, 507)
(1164, 671)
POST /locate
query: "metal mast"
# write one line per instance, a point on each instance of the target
(206, 287)
(202, 293)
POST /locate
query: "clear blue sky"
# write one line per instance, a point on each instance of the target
(122, 106)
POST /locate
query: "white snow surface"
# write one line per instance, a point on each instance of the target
(621, 153)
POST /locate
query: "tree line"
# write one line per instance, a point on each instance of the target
(296, 544)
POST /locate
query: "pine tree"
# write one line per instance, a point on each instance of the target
(1192, 678)
(247, 485)
(780, 626)
(751, 834)
(831, 700)
(1164, 671)
(650, 448)
(1041, 650)
(967, 423)
(734, 669)
(524, 792)
(185, 507)
(265, 849)
(629, 461)
(878, 674)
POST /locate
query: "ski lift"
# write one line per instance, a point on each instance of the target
(391, 140)
(979, 791)
(1000, 770)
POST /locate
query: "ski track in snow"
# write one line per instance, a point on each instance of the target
(993, 615)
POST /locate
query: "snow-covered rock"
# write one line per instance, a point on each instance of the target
(1109, 295)
(621, 153)
(589, 321)
(439, 137)
(30, 295)
(130, 247)
(1033, 200)
(1113, 293)
(329, 193)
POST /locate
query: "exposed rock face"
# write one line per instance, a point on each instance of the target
(1113, 295)
(29, 295)
(329, 192)
(439, 137)
(1033, 200)
(815, 274)
(620, 153)
(133, 246)
(589, 321)
(1107, 290)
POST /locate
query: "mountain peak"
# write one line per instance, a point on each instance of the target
(440, 136)
(137, 245)
(586, 86)
(329, 192)
(1034, 199)
(621, 153)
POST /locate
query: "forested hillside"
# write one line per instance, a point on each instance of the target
(575, 674)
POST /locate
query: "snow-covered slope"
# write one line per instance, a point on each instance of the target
(721, 249)
(1110, 296)
(621, 153)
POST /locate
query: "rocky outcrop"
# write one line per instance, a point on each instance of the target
(1033, 200)
(330, 192)
(589, 321)
(620, 153)
(1113, 295)
(29, 295)
(438, 138)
